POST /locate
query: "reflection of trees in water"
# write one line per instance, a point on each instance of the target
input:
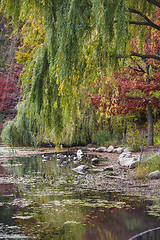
(5, 188)
(59, 211)
(118, 224)
(51, 218)
(2, 170)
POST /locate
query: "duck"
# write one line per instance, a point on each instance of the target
(61, 156)
(46, 158)
(71, 157)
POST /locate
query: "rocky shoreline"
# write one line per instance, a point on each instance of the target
(108, 175)
(122, 179)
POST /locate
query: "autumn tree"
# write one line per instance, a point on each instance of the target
(80, 39)
(138, 85)
(9, 93)
(9, 70)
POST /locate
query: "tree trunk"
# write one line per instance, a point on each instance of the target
(150, 115)
(110, 126)
(150, 126)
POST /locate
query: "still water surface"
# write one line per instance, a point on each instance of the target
(39, 200)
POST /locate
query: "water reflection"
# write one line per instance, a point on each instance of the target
(39, 200)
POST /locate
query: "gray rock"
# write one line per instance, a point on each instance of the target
(119, 150)
(82, 169)
(127, 160)
(101, 149)
(126, 150)
(130, 162)
(110, 149)
(91, 149)
(154, 175)
(125, 155)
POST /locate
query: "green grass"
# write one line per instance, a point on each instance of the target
(149, 164)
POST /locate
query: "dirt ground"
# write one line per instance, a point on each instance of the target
(118, 180)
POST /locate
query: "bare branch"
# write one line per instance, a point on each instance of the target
(140, 68)
(154, 2)
(139, 23)
(135, 62)
(148, 21)
(143, 56)
(136, 70)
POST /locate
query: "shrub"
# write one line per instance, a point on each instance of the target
(13, 136)
(102, 137)
(10, 134)
(135, 138)
(157, 132)
(141, 172)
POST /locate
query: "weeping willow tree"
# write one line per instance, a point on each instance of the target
(71, 43)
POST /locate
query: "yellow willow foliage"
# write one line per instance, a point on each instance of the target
(32, 35)
(61, 87)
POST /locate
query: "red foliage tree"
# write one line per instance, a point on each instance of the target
(138, 85)
(9, 92)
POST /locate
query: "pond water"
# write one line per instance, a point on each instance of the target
(40, 199)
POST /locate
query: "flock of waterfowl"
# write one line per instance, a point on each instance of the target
(63, 160)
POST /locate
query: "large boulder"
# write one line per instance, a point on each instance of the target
(154, 175)
(126, 160)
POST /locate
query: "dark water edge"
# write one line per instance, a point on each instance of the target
(39, 200)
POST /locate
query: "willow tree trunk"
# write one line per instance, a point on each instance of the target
(150, 126)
